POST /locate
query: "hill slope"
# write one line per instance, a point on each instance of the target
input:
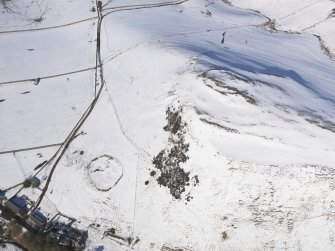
(213, 130)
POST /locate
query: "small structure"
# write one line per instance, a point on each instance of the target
(99, 5)
(35, 182)
(37, 220)
(32, 181)
(17, 205)
(68, 236)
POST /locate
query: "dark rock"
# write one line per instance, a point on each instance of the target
(168, 161)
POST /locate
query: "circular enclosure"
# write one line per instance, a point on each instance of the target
(105, 172)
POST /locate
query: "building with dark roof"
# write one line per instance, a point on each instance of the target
(17, 205)
(35, 182)
(69, 236)
(32, 181)
(37, 220)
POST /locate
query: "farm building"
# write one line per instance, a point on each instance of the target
(32, 181)
(37, 220)
(69, 236)
(35, 182)
(17, 205)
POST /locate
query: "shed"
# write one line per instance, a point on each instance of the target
(17, 205)
(37, 219)
(99, 5)
(32, 181)
(35, 181)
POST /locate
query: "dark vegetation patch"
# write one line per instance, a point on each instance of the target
(94, 225)
(40, 165)
(207, 13)
(219, 126)
(196, 180)
(238, 77)
(270, 25)
(227, 2)
(4, 3)
(324, 174)
(38, 19)
(225, 89)
(324, 48)
(224, 236)
(189, 197)
(272, 86)
(318, 120)
(169, 160)
(111, 231)
(232, 90)
(332, 13)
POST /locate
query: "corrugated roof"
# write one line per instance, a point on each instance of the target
(18, 201)
(36, 179)
(38, 215)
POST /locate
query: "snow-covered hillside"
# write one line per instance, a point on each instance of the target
(308, 16)
(214, 129)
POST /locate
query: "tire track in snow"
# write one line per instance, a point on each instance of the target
(47, 77)
(30, 148)
(299, 10)
(143, 6)
(48, 28)
(117, 8)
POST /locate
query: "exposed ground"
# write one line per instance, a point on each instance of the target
(169, 160)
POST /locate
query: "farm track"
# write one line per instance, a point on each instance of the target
(48, 77)
(113, 9)
(30, 148)
(47, 28)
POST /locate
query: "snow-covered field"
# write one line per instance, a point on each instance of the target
(194, 143)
